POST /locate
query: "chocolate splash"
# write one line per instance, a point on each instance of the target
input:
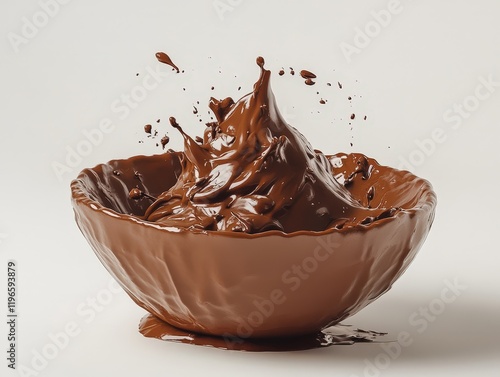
(164, 58)
(164, 141)
(219, 283)
(253, 173)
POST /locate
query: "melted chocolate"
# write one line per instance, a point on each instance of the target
(307, 74)
(153, 327)
(137, 194)
(254, 173)
(164, 58)
(271, 289)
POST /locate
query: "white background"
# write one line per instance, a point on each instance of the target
(65, 76)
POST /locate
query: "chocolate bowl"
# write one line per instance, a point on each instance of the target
(269, 284)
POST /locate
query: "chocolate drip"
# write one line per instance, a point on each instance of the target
(307, 74)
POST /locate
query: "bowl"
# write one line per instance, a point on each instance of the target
(269, 284)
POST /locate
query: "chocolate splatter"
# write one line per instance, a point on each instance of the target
(307, 74)
(164, 141)
(165, 59)
(221, 184)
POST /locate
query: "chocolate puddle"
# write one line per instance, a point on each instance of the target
(252, 172)
(152, 327)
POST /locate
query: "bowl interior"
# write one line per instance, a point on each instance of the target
(109, 184)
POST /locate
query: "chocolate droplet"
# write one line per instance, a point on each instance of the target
(164, 141)
(307, 74)
(164, 58)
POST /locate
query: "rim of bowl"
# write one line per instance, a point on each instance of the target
(426, 200)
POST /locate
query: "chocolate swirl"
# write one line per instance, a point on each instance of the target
(253, 172)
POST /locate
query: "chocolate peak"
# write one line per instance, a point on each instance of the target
(253, 172)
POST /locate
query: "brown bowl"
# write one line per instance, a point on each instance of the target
(268, 284)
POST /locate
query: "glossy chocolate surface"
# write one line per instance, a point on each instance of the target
(253, 172)
(217, 282)
(297, 241)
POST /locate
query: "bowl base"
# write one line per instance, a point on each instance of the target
(153, 327)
